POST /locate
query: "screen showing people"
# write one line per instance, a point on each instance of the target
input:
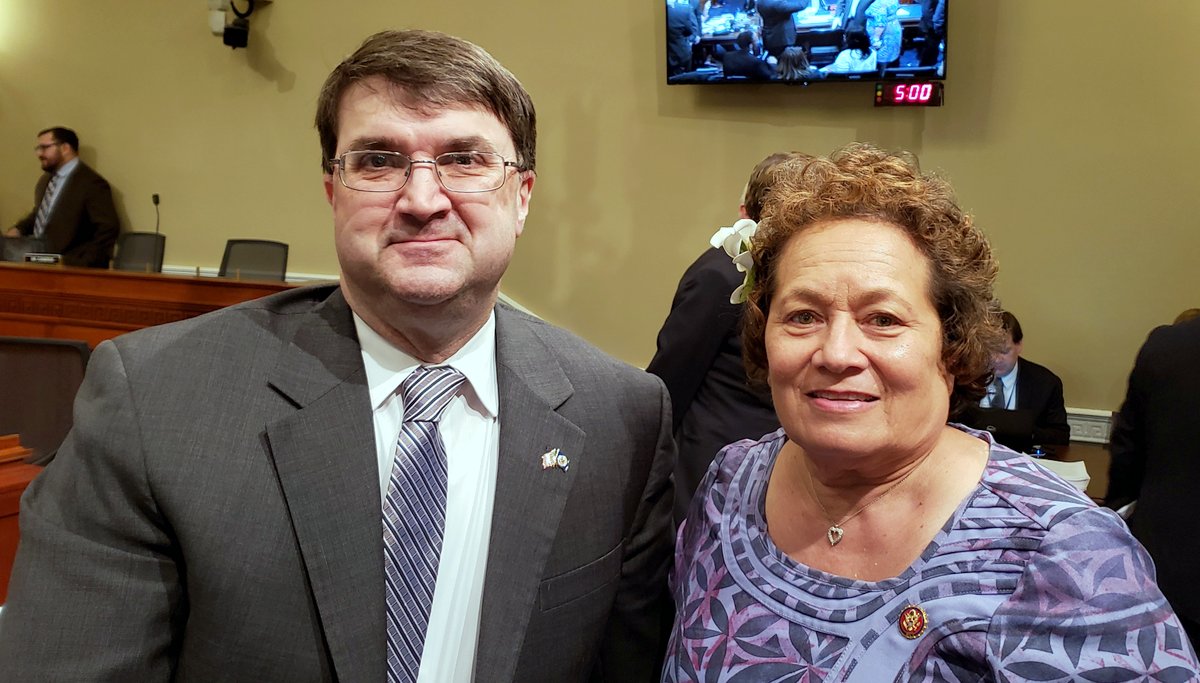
(805, 41)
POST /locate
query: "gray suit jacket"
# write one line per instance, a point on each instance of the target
(214, 515)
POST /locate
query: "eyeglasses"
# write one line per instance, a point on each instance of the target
(381, 171)
(42, 148)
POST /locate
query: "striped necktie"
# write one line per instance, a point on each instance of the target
(43, 214)
(414, 517)
(999, 400)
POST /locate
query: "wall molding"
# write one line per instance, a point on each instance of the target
(1088, 425)
(297, 278)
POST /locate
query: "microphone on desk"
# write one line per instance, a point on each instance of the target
(158, 256)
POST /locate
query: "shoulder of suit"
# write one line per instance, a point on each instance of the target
(1026, 365)
(271, 316)
(85, 172)
(714, 266)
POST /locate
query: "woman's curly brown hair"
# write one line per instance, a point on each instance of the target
(861, 181)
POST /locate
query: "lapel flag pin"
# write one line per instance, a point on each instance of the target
(555, 458)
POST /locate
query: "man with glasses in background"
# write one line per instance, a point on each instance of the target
(73, 212)
(393, 477)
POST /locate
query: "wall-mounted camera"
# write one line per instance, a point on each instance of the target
(235, 31)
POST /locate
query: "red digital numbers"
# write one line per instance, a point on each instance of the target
(916, 92)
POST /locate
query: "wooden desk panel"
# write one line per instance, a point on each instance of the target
(15, 475)
(1095, 457)
(93, 305)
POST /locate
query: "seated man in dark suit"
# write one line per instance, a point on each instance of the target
(1021, 384)
(73, 212)
(743, 62)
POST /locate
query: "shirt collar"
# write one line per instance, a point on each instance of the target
(67, 169)
(388, 366)
(1011, 378)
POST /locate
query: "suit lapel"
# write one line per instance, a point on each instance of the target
(529, 499)
(324, 456)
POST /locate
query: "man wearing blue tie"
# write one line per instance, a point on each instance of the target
(73, 209)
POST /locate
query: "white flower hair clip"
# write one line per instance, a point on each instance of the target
(735, 240)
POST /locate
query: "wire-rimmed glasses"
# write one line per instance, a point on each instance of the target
(384, 171)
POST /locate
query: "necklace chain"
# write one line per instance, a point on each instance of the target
(835, 531)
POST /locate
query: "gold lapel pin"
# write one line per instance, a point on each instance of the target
(913, 622)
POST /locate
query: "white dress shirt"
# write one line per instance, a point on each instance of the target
(1010, 392)
(471, 434)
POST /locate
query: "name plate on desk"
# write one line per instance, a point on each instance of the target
(49, 259)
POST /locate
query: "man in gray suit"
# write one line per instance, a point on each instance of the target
(236, 500)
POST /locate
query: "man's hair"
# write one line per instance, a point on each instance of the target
(860, 181)
(745, 39)
(63, 135)
(430, 71)
(1012, 326)
(1189, 314)
(760, 182)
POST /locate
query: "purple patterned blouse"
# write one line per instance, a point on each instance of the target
(1027, 581)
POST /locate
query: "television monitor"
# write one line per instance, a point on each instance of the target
(756, 41)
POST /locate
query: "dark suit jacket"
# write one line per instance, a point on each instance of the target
(742, 63)
(778, 27)
(215, 512)
(1156, 459)
(700, 359)
(83, 226)
(1040, 390)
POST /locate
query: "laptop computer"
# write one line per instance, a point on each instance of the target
(1013, 428)
(15, 248)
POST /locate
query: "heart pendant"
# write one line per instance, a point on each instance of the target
(834, 534)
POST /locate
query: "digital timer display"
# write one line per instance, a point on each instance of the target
(912, 94)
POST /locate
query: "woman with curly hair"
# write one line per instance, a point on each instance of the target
(871, 539)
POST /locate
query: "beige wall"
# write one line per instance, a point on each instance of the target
(1069, 132)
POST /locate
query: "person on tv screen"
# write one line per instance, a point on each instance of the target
(778, 25)
(857, 57)
(933, 31)
(683, 31)
(884, 31)
(869, 539)
(793, 66)
(741, 62)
